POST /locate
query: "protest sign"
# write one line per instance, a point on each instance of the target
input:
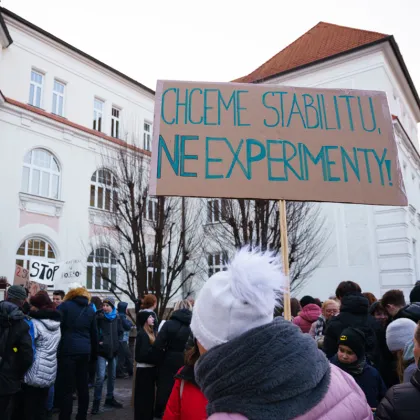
(69, 272)
(274, 142)
(42, 272)
(21, 276)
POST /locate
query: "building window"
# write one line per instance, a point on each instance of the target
(98, 112)
(115, 123)
(147, 136)
(216, 210)
(217, 262)
(103, 190)
(35, 90)
(151, 209)
(101, 263)
(58, 98)
(34, 248)
(41, 174)
(151, 287)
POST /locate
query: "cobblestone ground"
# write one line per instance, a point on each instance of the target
(122, 394)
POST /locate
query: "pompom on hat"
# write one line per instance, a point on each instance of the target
(235, 301)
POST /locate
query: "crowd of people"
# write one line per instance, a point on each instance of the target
(230, 355)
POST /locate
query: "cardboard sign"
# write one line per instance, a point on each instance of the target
(42, 272)
(274, 142)
(21, 276)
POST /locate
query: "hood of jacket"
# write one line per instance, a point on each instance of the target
(355, 303)
(311, 312)
(264, 373)
(183, 315)
(50, 318)
(122, 307)
(76, 293)
(411, 311)
(9, 312)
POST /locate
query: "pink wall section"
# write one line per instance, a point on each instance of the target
(27, 218)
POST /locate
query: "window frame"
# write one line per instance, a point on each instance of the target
(59, 95)
(216, 216)
(36, 85)
(94, 265)
(111, 188)
(98, 115)
(25, 258)
(153, 209)
(150, 271)
(213, 267)
(32, 167)
(147, 134)
(115, 122)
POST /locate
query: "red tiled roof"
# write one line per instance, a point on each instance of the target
(323, 41)
(73, 125)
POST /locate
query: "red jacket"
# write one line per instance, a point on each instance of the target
(192, 404)
(309, 314)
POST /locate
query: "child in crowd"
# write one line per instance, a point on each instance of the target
(351, 358)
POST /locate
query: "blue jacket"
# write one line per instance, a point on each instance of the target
(126, 323)
(370, 381)
(79, 333)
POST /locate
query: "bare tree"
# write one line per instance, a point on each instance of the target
(234, 223)
(158, 239)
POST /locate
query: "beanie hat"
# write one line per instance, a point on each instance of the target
(415, 293)
(307, 300)
(399, 333)
(17, 292)
(354, 339)
(110, 301)
(42, 301)
(237, 300)
(142, 317)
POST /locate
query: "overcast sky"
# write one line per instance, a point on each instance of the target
(216, 40)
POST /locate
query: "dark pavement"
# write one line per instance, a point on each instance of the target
(122, 394)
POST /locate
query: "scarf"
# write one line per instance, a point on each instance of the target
(111, 315)
(353, 369)
(272, 372)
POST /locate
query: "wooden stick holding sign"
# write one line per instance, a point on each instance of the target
(285, 257)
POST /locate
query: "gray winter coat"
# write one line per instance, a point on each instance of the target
(47, 335)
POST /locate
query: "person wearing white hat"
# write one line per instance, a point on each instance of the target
(399, 339)
(254, 367)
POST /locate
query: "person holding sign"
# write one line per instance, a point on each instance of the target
(257, 367)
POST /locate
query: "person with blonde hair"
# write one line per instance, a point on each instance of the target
(170, 343)
(330, 308)
(146, 367)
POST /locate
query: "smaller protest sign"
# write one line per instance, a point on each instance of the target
(42, 272)
(69, 272)
(21, 276)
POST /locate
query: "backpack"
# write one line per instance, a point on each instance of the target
(4, 341)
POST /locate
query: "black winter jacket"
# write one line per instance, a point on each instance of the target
(18, 351)
(401, 402)
(353, 313)
(174, 335)
(144, 351)
(79, 335)
(109, 332)
(411, 312)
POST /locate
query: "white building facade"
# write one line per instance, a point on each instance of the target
(60, 109)
(374, 246)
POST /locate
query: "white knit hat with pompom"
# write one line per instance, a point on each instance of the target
(237, 300)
